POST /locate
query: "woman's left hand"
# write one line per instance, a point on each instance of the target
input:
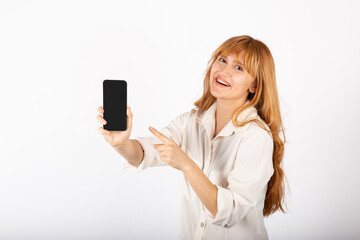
(170, 152)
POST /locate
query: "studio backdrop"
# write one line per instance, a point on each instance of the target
(59, 178)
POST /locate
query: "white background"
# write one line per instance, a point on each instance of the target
(59, 179)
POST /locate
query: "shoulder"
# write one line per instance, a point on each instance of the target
(255, 132)
(183, 118)
(255, 144)
(191, 115)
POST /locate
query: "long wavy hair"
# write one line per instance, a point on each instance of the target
(259, 63)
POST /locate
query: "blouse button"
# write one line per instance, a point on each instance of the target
(202, 224)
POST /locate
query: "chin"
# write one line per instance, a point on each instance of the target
(216, 95)
(213, 94)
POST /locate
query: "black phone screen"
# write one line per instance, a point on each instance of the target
(115, 104)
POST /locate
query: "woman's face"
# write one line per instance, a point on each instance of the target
(233, 73)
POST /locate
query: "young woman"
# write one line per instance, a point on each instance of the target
(229, 147)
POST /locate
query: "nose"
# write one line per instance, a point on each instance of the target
(226, 71)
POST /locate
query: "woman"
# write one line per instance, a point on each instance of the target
(228, 147)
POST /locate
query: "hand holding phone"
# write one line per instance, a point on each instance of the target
(115, 138)
(117, 117)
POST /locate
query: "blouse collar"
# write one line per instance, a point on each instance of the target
(208, 121)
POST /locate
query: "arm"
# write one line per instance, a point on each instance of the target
(132, 151)
(174, 156)
(141, 154)
(206, 191)
(252, 171)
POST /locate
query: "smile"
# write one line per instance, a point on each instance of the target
(221, 82)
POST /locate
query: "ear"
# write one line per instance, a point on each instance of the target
(252, 89)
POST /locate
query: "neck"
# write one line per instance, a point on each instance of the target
(225, 109)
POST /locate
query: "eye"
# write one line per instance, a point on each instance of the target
(222, 60)
(239, 68)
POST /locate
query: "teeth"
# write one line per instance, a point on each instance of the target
(218, 80)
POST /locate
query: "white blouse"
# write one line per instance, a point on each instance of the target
(238, 161)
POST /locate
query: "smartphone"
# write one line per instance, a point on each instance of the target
(115, 104)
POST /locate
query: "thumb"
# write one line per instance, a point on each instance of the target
(129, 118)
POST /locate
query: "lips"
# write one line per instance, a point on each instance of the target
(223, 80)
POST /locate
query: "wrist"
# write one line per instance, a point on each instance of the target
(122, 145)
(188, 166)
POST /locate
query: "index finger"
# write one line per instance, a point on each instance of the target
(101, 110)
(160, 136)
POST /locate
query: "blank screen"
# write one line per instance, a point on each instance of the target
(115, 104)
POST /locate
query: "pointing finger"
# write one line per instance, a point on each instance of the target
(160, 136)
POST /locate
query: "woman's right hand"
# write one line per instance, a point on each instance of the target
(115, 138)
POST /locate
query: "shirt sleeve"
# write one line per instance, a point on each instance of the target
(152, 158)
(248, 180)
